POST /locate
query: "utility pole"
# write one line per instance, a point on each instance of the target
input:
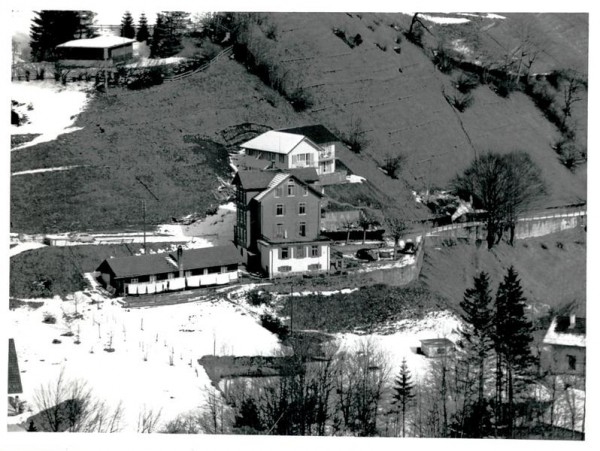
(144, 216)
(292, 309)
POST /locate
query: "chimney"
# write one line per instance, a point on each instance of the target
(180, 260)
(572, 318)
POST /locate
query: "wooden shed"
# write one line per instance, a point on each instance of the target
(437, 347)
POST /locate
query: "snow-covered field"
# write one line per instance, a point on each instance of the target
(55, 108)
(404, 341)
(182, 332)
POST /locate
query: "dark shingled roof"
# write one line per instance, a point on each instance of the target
(14, 376)
(253, 180)
(143, 265)
(307, 175)
(316, 133)
(563, 324)
(259, 180)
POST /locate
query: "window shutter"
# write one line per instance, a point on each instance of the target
(280, 254)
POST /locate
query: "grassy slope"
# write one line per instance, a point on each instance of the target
(402, 112)
(551, 276)
(144, 137)
(405, 112)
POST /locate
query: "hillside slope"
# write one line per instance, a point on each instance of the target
(400, 101)
(164, 144)
(552, 268)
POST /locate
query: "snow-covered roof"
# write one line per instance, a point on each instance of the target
(274, 141)
(564, 332)
(98, 42)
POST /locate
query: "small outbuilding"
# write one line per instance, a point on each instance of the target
(91, 51)
(437, 347)
(157, 273)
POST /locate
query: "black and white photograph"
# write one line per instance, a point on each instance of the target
(296, 222)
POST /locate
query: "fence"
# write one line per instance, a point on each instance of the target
(228, 51)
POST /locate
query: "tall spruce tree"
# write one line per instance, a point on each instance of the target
(476, 339)
(86, 28)
(512, 340)
(50, 28)
(127, 26)
(403, 393)
(158, 36)
(142, 32)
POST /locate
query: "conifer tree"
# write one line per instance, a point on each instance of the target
(158, 36)
(142, 32)
(50, 28)
(477, 339)
(127, 26)
(404, 392)
(512, 338)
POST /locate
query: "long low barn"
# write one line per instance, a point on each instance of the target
(156, 273)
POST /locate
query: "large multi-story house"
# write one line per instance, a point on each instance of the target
(278, 222)
(311, 146)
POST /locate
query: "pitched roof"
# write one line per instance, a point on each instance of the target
(247, 162)
(560, 333)
(97, 42)
(14, 376)
(278, 180)
(274, 141)
(316, 133)
(143, 265)
(437, 341)
(307, 175)
(253, 179)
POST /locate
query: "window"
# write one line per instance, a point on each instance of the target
(306, 191)
(279, 210)
(223, 269)
(284, 253)
(314, 251)
(314, 266)
(134, 280)
(171, 275)
(572, 362)
(290, 188)
(272, 156)
(279, 191)
(284, 268)
(279, 231)
(301, 208)
(302, 229)
(282, 158)
(152, 279)
(300, 252)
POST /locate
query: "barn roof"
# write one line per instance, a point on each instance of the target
(14, 376)
(144, 265)
(316, 133)
(97, 42)
(274, 141)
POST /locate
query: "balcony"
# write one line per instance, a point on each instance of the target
(326, 155)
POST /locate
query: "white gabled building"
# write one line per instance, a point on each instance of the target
(302, 147)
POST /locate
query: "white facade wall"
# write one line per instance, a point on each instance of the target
(180, 283)
(304, 147)
(272, 263)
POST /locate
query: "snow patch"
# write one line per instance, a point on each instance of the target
(55, 108)
(37, 171)
(352, 178)
(26, 246)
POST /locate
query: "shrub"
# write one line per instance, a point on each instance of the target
(299, 98)
(416, 35)
(147, 78)
(274, 324)
(259, 297)
(465, 83)
(49, 318)
(56, 341)
(460, 101)
(393, 165)
(442, 58)
(570, 154)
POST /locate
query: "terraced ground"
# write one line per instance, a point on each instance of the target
(168, 137)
